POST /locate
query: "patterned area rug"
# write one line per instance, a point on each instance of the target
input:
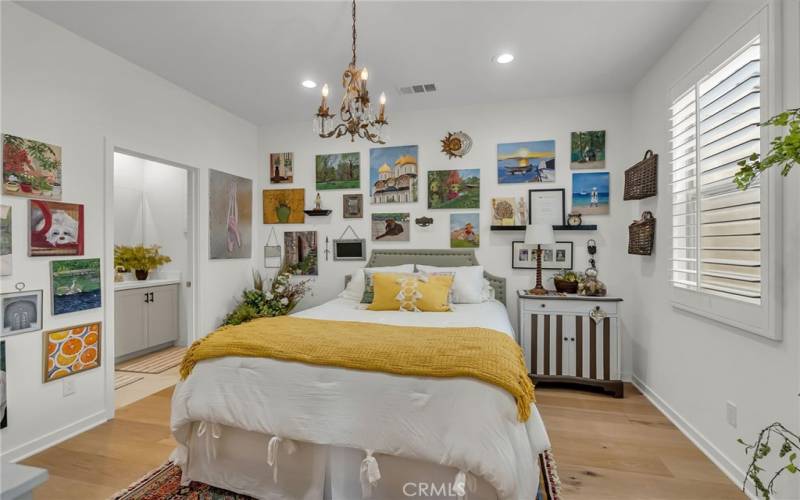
(164, 483)
(154, 363)
(123, 379)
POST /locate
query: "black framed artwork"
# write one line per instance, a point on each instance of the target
(547, 206)
(557, 256)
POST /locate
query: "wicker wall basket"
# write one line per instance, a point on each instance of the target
(641, 180)
(641, 235)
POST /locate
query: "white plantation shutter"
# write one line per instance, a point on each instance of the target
(716, 228)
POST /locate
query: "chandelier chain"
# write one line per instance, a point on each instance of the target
(354, 32)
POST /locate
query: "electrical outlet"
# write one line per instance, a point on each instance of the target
(731, 414)
(68, 387)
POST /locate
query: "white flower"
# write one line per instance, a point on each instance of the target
(278, 289)
(268, 295)
(285, 301)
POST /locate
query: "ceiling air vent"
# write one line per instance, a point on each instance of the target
(421, 88)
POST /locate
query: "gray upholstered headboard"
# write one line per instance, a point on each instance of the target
(435, 257)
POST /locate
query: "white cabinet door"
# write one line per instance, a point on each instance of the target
(130, 323)
(162, 315)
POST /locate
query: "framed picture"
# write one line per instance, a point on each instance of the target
(22, 312)
(301, 252)
(281, 168)
(454, 188)
(230, 216)
(3, 383)
(532, 161)
(354, 249)
(393, 174)
(338, 171)
(588, 150)
(71, 350)
(31, 168)
(557, 256)
(590, 193)
(284, 206)
(391, 226)
(547, 206)
(504, 211)
(56, 228)
(6, 260)
(75, 285)
(465, 230)
(353, 206)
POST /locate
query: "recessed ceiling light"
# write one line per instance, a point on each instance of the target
(504, 58)
(309, 84)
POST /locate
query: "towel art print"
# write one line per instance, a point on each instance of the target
(230, 207)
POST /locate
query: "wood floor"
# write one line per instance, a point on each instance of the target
(605, 448)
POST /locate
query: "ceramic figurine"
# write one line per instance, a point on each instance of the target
(318, 203)
(523, 216)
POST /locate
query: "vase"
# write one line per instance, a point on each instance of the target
(282, 212)
(141, 274)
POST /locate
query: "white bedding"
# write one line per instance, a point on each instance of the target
(461, 423)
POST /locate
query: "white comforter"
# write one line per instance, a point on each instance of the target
(462, 423)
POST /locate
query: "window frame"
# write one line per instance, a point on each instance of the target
(761, 319)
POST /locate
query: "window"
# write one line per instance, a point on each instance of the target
(726, 244)
(716, 228)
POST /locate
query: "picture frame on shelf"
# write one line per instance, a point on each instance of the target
(557, 256)
(547, 206)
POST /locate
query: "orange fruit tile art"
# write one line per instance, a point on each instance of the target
(71, 350)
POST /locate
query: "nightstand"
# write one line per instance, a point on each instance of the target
(572, 339)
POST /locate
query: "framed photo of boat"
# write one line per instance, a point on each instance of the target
(547, 206)
(531, 161)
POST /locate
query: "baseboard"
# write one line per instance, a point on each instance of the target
(728, 467)
(51, 439)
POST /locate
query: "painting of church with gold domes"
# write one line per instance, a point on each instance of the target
(393, 174)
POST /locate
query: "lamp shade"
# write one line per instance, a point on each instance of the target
(539, 234)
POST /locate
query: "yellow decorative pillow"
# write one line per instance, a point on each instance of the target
(411, 292)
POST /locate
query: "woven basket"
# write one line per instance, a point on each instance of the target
(641, 180)
(641, 235)
(564, 286)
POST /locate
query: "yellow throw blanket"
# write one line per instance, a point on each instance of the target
(480, 353)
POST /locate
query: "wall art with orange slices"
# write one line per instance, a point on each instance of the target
(71, 350)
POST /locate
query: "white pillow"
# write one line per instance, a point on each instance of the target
(467, 285)
(355, 288)
(487, 293)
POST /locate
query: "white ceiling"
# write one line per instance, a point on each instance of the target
(250, 57)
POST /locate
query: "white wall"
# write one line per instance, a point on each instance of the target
(151, 208)
(540, 119)
(691, 365)
(61, 89)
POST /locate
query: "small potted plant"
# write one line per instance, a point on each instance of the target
(566, 281)
(139, 259)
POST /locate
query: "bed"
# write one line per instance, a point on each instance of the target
(287, 430)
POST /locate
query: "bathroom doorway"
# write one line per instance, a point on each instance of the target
(154, 261)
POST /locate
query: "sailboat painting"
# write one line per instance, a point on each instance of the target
(532, 161)
(230, 215)
(75, 285)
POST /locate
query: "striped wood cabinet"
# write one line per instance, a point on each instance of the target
(563, 342)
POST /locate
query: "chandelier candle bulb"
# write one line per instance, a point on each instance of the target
(382, 108)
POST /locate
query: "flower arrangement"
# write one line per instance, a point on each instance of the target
(567, 281)
(139, 259)
(281, 298)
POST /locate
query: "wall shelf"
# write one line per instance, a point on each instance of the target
(582, 227)
(317, 213)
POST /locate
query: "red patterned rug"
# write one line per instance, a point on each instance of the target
(164, 483)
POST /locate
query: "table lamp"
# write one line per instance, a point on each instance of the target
(539, 234)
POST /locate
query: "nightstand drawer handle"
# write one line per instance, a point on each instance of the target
(542, 305)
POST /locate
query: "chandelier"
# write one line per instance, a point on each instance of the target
(355, 115)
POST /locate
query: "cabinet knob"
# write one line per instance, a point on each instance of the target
(542, 305)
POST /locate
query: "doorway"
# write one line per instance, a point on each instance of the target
(154, 306)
